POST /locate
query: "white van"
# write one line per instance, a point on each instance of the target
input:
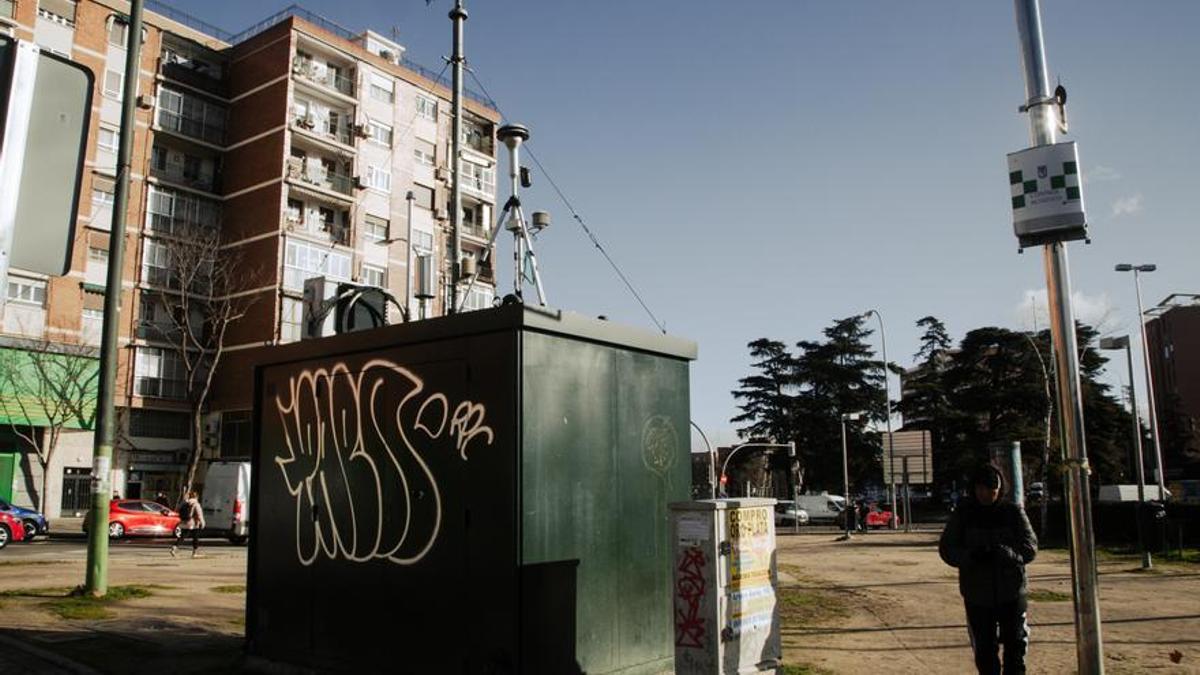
(822, 507)
(1129, 493)
(226, 500)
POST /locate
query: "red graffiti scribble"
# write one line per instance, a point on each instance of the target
(690, 588)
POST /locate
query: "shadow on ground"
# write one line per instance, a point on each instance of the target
(117, 647)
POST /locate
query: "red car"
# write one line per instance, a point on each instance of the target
(130, 517)
(11, 529)
(881, 516)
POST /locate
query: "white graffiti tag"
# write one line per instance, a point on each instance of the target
(363, 491)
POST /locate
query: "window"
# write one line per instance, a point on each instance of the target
(480, 297)
(422, 241)
(7, 8)
(155, 263)
(159, 373)
(118, 31)
(107, 139)
(375, 228)
(173, 212)
(379, 179)
(96, 271)
(373, 275)
(291, 320)
(92, 322)
(383, 89)
(191, 116)
(76, 489)
(27, 291)
(380, 133)
(113, 82)
(423, 153)
(159, 424)
(237, 433)
(62, 11)
(103, 192)
(478, 178)
(295, 211)
(426, 108)
(423, 196)
(303, 261)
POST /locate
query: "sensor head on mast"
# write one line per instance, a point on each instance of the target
(512, 134)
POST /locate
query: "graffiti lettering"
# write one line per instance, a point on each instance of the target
(356, 466)
(689, 592)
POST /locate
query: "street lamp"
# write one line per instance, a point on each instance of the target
(1122, 342)
(887, 402)
(846, 471)
(712, 459)
(1158, 463)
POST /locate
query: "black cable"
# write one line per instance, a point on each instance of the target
(575, 214)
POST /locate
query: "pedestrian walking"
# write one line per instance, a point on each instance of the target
(162, 500)
(191, 520)
(990, 541)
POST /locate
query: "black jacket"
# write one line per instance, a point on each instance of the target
(990, 546)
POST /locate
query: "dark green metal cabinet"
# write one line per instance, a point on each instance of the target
(484, 493)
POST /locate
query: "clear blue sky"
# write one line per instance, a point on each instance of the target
(760, 169)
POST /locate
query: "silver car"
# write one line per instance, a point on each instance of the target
(787, 513)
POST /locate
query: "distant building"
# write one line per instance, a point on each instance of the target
(300, 141)
(1173, 337)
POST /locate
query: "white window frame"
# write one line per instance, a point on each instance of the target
(422, 156)
(102, 198)
(115, 135)
(379, 133)
(371, 225)
(379, 179)
(422, 241)
(373, 275)
(303, 260)
(26, 291)
(113, 21)
(382, 89)
(426, 107)
(109, 90)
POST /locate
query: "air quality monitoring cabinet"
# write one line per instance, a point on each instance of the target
(726, 614)
(479, 493)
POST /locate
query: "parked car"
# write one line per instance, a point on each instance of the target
(822, 507)
(881, 516)
(226, 501)
(787, 513)
(34, 523)
(11, 529)
(139, 517)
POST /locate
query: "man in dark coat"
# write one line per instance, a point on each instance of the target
(990, 541)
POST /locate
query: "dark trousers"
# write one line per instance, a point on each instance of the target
(195, 538)
(990, 627)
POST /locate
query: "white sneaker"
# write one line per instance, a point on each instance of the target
(174, 551)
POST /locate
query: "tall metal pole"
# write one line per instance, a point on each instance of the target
(712, 459)
(458, 16)
(1158, 463)
(408, 256)
(1147, 562)
(97, 553)
(1089, 645)
(887, 402)
(846, 480)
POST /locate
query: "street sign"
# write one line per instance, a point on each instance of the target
(1047, 197)
(45, 104)
(912, 450)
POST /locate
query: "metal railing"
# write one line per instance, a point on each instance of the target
(180, 178)
(188, 20)
(301, 170)
(342, 133)
(188, 126)
(307, 70)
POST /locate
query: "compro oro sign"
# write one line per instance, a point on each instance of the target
(1047, 200)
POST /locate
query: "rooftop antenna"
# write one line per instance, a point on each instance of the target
(512, 218)
(458, 17)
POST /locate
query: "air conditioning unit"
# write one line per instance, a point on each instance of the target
(145, 102)
(441, 214)
(359, 184)
(441, 173)
(387, 54)
(361, 130)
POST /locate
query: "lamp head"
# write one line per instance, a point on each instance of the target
(1115, 342)
(1124, 267)
(1146, 268)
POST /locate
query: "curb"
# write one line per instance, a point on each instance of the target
(47, 656)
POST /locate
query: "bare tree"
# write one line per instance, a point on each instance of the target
(195, 302)
(50, 386)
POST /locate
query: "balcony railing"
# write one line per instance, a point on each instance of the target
(326, 78)
(338, 234)
(159, 387)
(316, 174)
(192, 75)
(191, 127)
(341, 133)
(205, 183)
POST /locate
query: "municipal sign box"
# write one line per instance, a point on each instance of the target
(911, 451)
(1047, 197)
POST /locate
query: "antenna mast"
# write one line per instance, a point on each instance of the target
(458, 16)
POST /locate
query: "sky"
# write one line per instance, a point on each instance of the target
(761, 169)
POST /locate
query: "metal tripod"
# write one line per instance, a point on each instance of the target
(522, 250)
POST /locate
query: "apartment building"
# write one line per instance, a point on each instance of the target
(1173, 343)
(300, 142)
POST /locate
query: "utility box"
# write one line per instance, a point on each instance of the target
(480, 493)
(726, 615)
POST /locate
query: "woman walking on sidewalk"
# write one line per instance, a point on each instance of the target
(191, 518)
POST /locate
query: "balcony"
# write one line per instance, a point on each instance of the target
(187, 179)
(335, 232)
(308, 70)
(338, 133)
(316, 174)
(158, 387)
(191, 127)
(194, 74)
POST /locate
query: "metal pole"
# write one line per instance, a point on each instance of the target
(1147, 562)
(1088, 641)
(1158, 463)
(458, 16)
(907, 500)
(408, 244)
(845, 480)
(712, 460)
(97, 553)
(887, 403)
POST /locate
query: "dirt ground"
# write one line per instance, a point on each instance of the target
(886, 603)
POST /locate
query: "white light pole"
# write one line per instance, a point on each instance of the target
(1122, 342)
(887, 402)
(1160, 479)
(712, 459)
(846, 472)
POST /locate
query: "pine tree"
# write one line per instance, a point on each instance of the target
(765, 403)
